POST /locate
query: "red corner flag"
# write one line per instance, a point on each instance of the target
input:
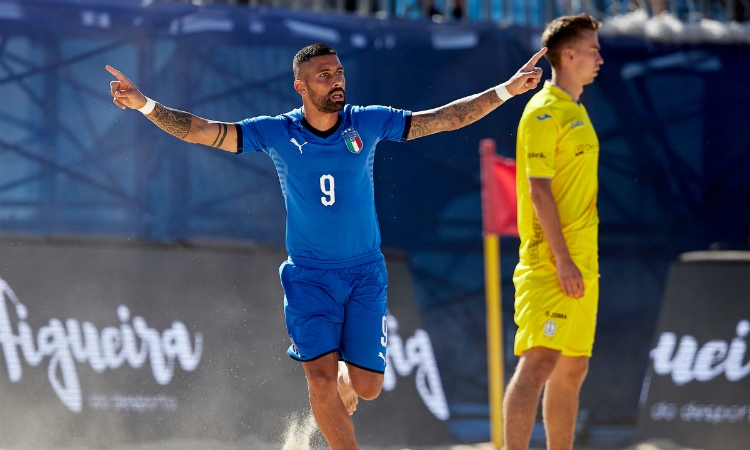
(499, 203)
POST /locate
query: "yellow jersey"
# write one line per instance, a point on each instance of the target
(556, 140)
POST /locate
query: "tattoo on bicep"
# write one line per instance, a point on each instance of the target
(220, 135)
(173, 121)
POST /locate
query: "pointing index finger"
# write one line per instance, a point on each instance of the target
(535, 59)
(116, 73)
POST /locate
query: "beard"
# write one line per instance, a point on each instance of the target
(324, 103)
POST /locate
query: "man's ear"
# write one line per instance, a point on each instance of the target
(299, 86)
(567, 54)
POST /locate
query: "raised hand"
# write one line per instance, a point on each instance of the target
(124, 93)
(527, 77)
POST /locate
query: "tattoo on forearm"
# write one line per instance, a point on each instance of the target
(461, 111)
(453, 115)
(494, 98)
(173, 121)
(421, 126)
(220, 135)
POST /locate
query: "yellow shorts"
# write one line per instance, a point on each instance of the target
(548, 318)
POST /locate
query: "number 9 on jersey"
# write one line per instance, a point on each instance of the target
(327, 186)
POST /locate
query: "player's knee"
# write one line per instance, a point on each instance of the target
(575, 372)
(537, 366)
(368, 392)
(368, 389)
(320, 384)
(581, 372)
(534, 375)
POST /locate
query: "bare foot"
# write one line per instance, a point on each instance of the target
(346, 391)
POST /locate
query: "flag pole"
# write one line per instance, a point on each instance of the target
(494, 336)
(493, 299)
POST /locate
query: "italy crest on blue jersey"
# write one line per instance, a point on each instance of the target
(352, 140)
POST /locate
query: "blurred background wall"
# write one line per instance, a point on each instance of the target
(670, 106)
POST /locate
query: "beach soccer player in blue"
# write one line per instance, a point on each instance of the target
(335, 278)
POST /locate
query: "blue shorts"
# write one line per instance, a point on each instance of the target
(340, 310)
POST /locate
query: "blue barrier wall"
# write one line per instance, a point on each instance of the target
(673, 171)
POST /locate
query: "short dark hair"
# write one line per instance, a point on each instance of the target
(309, 52)
(563, 32)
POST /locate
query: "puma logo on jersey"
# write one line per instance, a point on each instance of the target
(299, 146)
(546, 116)
(380, 354)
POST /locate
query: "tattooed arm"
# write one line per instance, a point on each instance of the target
(194, 129)
(454, 115)
(469, 109)
(181, 124)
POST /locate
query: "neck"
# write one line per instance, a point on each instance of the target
(564, 81)
(319, 120)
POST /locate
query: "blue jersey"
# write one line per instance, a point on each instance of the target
(328, 182)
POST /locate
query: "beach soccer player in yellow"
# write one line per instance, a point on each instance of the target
(557, 277)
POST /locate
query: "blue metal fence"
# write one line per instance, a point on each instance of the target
(670, 118)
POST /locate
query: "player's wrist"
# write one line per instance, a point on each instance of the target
(563, 257)
(148, 107)
(502, 92)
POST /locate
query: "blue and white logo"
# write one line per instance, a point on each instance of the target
(549, 328)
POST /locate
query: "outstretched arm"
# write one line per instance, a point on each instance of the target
(181, 124)
(469, 109)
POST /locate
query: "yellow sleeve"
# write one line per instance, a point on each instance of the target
(538, 136)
